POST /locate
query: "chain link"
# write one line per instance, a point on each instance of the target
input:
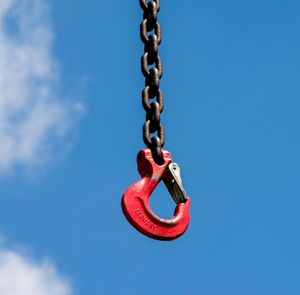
(151, 64)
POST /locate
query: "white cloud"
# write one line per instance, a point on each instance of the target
(34, 116)
(20, 275)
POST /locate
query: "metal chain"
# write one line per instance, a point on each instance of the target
(152, 96)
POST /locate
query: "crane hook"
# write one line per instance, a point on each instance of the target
(135, 200)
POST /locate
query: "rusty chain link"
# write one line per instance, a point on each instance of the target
(152, 96)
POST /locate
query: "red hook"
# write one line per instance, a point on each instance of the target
(135, 201)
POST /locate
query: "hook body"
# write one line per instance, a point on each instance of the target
(135, 201)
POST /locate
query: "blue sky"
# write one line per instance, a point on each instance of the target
(70, 129)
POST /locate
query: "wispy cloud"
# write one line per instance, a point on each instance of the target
(34, 116)
(20, 275)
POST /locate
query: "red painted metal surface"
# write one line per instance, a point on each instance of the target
(135, 201)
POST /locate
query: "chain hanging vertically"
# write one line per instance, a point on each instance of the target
(155, 165)
(152, 96)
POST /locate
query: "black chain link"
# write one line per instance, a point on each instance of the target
(153, 100)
